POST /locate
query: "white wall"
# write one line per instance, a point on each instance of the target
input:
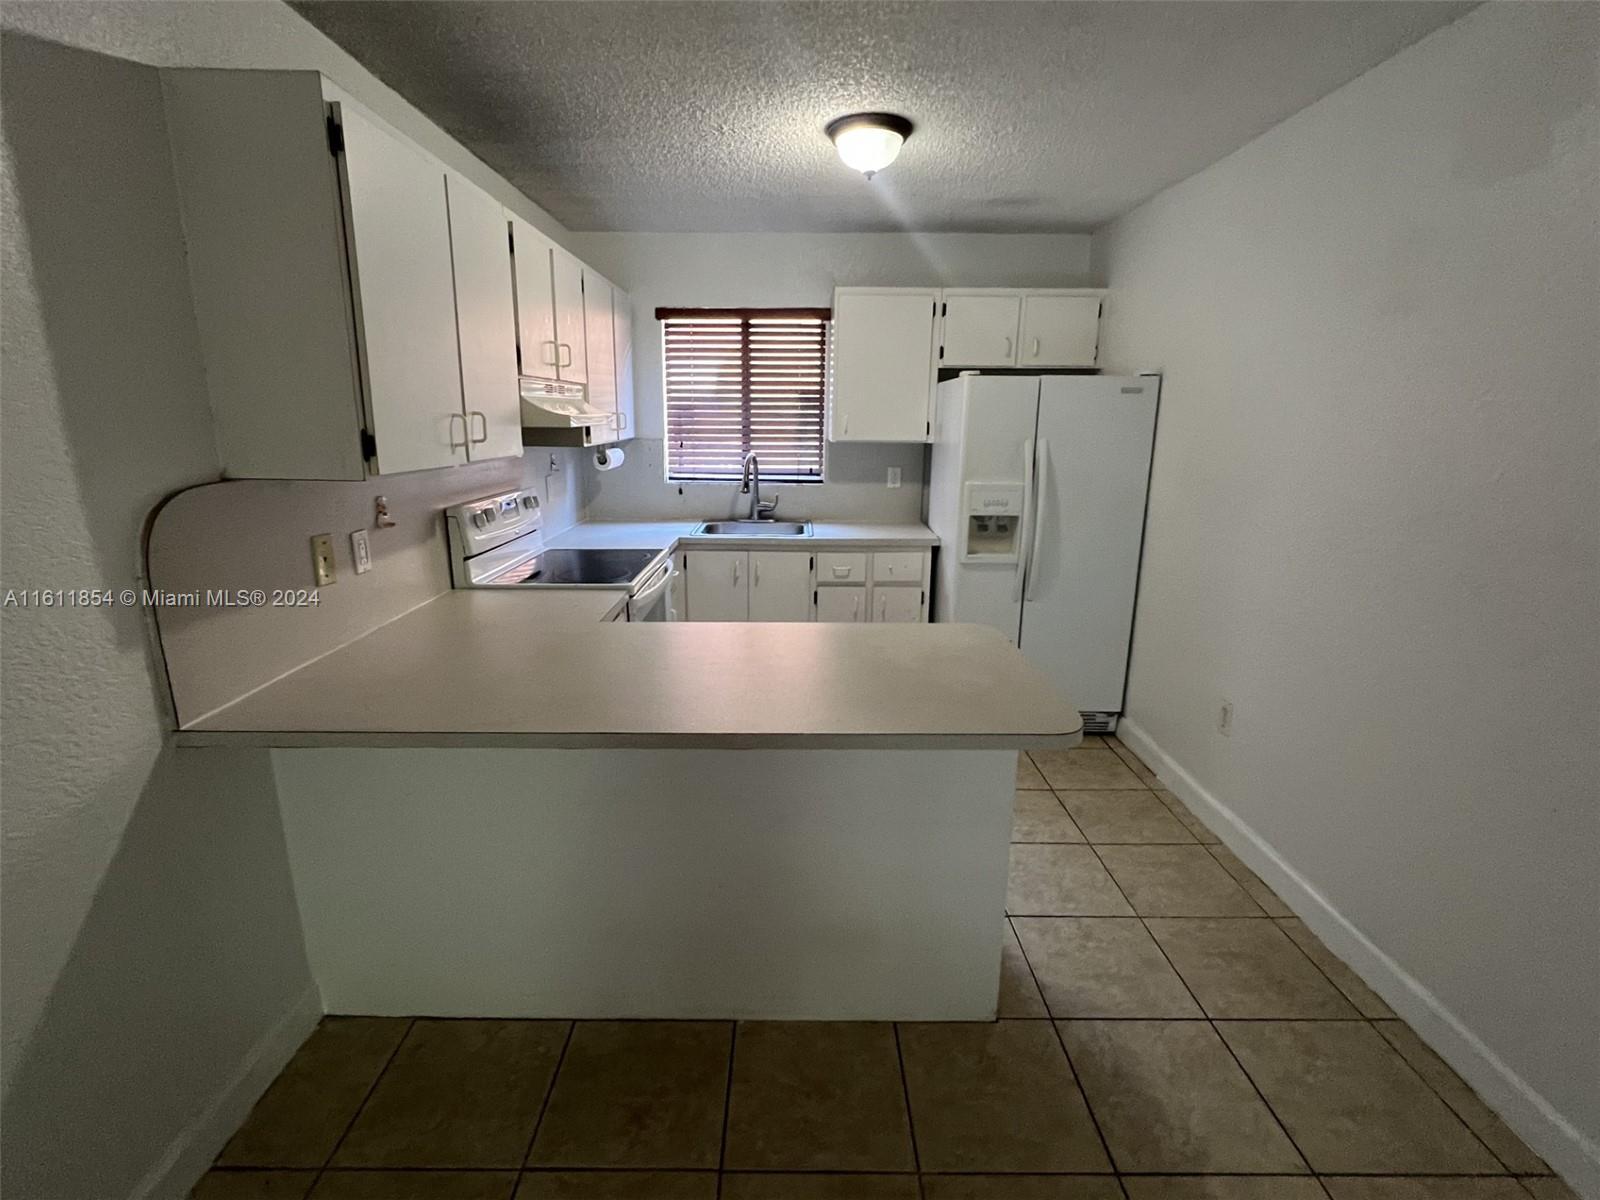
(153, 971)
(687, 270)
(1373, 525)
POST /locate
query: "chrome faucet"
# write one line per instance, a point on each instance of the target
(760, 510)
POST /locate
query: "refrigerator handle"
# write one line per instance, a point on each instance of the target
(1041, 481)
(1027, 510)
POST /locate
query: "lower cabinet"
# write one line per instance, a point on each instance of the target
(841, 604)
(717, 585)
(898, 604)
(797, 585)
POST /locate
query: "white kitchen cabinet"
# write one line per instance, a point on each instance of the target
(883, 364)
(780, 585)
(717, 585)
(566, 275)
(980, 328)
(841, 603)
(1059, 330)
(897, 604)
(538, 345)
(343, 332)
(622, 334)
(399, 245)
(600, 344)
(485, 321)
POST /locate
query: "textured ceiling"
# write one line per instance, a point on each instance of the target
(692, 115)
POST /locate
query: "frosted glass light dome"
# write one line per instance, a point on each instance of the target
(869, 142)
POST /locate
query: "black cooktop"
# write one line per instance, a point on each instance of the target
(593, 567)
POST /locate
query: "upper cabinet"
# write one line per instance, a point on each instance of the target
(980, 328)
(485, 311)
(599, 342)
(622, 334)
(883, 364)
(353, 296)
(1060, 329)
(889, 345)
(1008, 327)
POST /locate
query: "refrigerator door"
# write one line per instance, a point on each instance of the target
(983, 430)
(1095, 435)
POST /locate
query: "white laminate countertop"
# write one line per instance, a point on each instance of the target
(508, 668)
(661, 535)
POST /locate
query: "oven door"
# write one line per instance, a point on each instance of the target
(653, 600)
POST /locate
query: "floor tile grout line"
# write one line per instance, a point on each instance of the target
(549, 1091)
(1077, 1078)
(1438, 1095)
(1215, 1032)
(727, 1106)
(411, 1024)
(905, 1094)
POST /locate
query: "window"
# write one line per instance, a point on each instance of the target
(743, 379)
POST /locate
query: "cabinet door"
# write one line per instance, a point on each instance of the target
(717, 584)
(780, 585)
(399, 246)
(622, 331)
(1060, 331)
(567, 275)
(897, 604)
(536, 305)
(601, 344)
(980, 330)
(486, 321)
(883, 367)
(841, 604)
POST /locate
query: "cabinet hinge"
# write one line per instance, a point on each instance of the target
(369, 445)
(335, 136)
(813, 562)
(941, 353)
(944, 310)
(927, 428)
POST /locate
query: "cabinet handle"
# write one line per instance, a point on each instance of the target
(483, 423)
(883, 606)
(846, 428)
(466, 440)
(622, 421)
(841, 572)
(1036, 347)
(555, 352)
(755, 571)
(735, 572)
(855, 608)
(1008, 348)
(560, 346)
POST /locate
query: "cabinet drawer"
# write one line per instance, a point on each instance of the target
(841, 568)
(900, 566)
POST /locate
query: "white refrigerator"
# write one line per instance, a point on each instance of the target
(1037, 488)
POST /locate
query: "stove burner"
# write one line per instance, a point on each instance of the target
(591, 567)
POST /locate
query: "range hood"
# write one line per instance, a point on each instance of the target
(558, 413)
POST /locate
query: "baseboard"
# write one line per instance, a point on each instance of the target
(193, 1150)
(1571, 1154)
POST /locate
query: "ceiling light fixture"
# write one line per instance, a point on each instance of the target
(868, 141)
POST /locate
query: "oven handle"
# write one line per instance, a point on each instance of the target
(647, 594)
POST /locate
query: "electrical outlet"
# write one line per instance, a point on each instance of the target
(894, 477)
(361, 551)
(1225, 718)
(322, 559)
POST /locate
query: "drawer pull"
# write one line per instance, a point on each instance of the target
(841, 572)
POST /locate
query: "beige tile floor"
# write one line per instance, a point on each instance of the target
(1168, 1031)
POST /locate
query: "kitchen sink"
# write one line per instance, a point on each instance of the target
(755, 529)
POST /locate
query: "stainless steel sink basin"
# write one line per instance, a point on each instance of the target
(756, 529)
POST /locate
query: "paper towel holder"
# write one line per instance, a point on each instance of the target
(608, 458)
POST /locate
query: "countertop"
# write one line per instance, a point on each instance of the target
(661, 535)
(491, 668)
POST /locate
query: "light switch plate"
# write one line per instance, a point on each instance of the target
(894, 477)
(322, 559)
(361, 551)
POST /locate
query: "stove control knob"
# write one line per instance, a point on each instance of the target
(529, 502)
(480, 519)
